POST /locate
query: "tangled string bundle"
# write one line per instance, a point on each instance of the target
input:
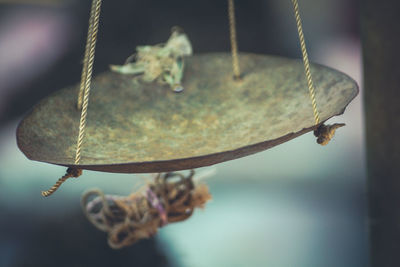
(162, 62)
(171, 198)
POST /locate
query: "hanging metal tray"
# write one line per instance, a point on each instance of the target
(134, 127)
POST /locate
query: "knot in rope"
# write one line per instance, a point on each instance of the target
(325, 133)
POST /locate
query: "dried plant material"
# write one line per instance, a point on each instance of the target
(172, 197)
(163, 63)
(325, 133)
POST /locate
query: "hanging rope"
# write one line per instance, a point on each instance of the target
(86, 57)
(83, 98)
(324, 133)
(234, 45)
(306, 62)
(88, 79)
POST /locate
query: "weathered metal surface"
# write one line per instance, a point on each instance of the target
(135, 127)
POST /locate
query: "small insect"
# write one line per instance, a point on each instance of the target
(325, 133)
(162, 62)
(172, 197)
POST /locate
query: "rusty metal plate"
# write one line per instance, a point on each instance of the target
(135, 127)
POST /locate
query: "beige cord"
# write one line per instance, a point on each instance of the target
(306, 62)
(83, 99)
(88, 79)
(234, 45)
(86, 56)
(71, 172)
(324, 133)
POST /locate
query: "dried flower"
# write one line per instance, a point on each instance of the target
(163, 63)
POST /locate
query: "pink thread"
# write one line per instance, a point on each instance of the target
(156, 203)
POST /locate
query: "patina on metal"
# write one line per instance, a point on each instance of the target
(136, 127)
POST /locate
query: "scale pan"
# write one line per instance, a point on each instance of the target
(135, 127)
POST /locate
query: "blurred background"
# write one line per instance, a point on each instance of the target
(298, 204)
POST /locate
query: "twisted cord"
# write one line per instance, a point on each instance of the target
(234, 44)
(71, 172)
(306, 62)
(83, 101)
(86, 57)
(88, 79)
